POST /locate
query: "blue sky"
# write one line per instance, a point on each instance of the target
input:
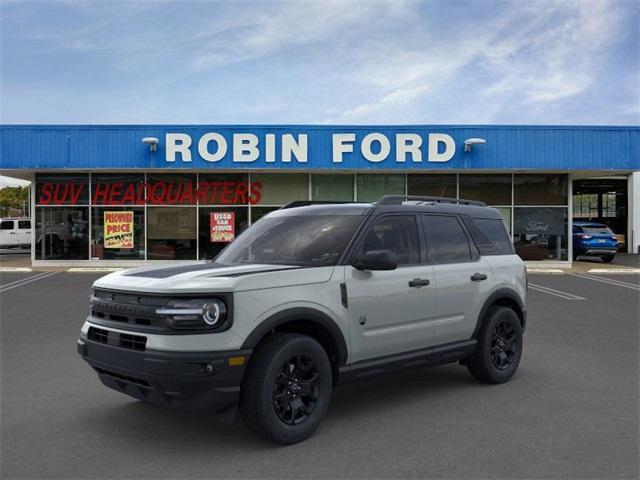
(321, 62)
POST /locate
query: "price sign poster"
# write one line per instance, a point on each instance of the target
(223, 227)
(118, 229)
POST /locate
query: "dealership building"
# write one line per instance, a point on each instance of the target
(121, 195)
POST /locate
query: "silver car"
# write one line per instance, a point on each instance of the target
(310, 296)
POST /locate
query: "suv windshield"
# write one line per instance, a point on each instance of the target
(314, 240)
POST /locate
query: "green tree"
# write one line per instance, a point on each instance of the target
(14, 200)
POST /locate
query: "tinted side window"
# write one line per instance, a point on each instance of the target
(6, 225)
(24, 224)
(398, 234)
(446, 240)
(496, 232)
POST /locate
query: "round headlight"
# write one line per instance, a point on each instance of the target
(213, 313)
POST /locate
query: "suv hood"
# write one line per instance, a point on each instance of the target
(212, 277)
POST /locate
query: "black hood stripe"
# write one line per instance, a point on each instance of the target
(171, 271)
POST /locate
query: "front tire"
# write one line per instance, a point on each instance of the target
(499, 347)
(287, 388)
(607, 258)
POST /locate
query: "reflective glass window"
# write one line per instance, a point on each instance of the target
(117, 189)
(171, 233)
(373, 186)
(396, 233)
(171, 189)
(62, 189)
(540, 233)
(281, 188)
(491, 189)
(227, 189)
(446, 240)
(62, 233)
(332, 187)
(117, 233)
(540, 189)
(432, 185)
(218, 227)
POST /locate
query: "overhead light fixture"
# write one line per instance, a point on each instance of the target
(473, 141)
(152, 142)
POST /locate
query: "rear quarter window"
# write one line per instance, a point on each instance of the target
(494, 230)
(593, 230)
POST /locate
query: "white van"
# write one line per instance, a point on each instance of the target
(15, 232)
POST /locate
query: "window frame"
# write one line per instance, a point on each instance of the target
(474, 254)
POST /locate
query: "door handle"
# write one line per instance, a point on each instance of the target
(419, 282)
(477, 277)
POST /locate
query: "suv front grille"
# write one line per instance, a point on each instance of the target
(130, 309)
(122, 340)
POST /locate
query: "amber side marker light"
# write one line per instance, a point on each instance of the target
(236, 361)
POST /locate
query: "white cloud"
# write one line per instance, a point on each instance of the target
(399, 98)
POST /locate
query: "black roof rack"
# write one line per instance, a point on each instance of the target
(398, 199)
(306, 203)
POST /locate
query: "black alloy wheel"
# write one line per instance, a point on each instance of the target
(286, 389)
(503, 345)
(499, 347)
(296, 390)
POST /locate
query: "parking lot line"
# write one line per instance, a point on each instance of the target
(609, 281)
(556, 293)
(24, 281)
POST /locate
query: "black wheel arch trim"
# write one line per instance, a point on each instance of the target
(502, 293)
(300, 314)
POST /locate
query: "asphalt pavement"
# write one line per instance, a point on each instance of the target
(571, 411)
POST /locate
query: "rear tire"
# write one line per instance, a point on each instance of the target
(608, 258)
(499, 346)
(286, 389)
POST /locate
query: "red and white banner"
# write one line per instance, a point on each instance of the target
(223, 228)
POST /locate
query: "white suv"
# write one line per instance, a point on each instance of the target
(310, 296)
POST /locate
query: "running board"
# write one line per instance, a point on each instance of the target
(428, 357)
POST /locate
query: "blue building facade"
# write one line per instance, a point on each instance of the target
(175, 184)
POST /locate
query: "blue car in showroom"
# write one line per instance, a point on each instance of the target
(594, 239)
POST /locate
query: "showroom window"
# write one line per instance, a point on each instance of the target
(171, 233)
(219, 226)
(540, 233)
(332, 187)
(62, 189)
(62, 233)
(227, 189)
(432, 185)
(176, 222)
(171, 189)
(491, 189)
(281, 188)
(373, 186)
(117, 233)
(540, 189)
(117, 189)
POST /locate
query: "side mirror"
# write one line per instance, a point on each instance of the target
(377, 260)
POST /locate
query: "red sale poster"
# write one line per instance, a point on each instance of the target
(222, 227)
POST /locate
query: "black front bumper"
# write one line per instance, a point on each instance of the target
(186, 380)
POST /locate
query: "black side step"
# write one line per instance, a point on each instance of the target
(428, 357)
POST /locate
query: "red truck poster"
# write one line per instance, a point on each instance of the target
(222, 227)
